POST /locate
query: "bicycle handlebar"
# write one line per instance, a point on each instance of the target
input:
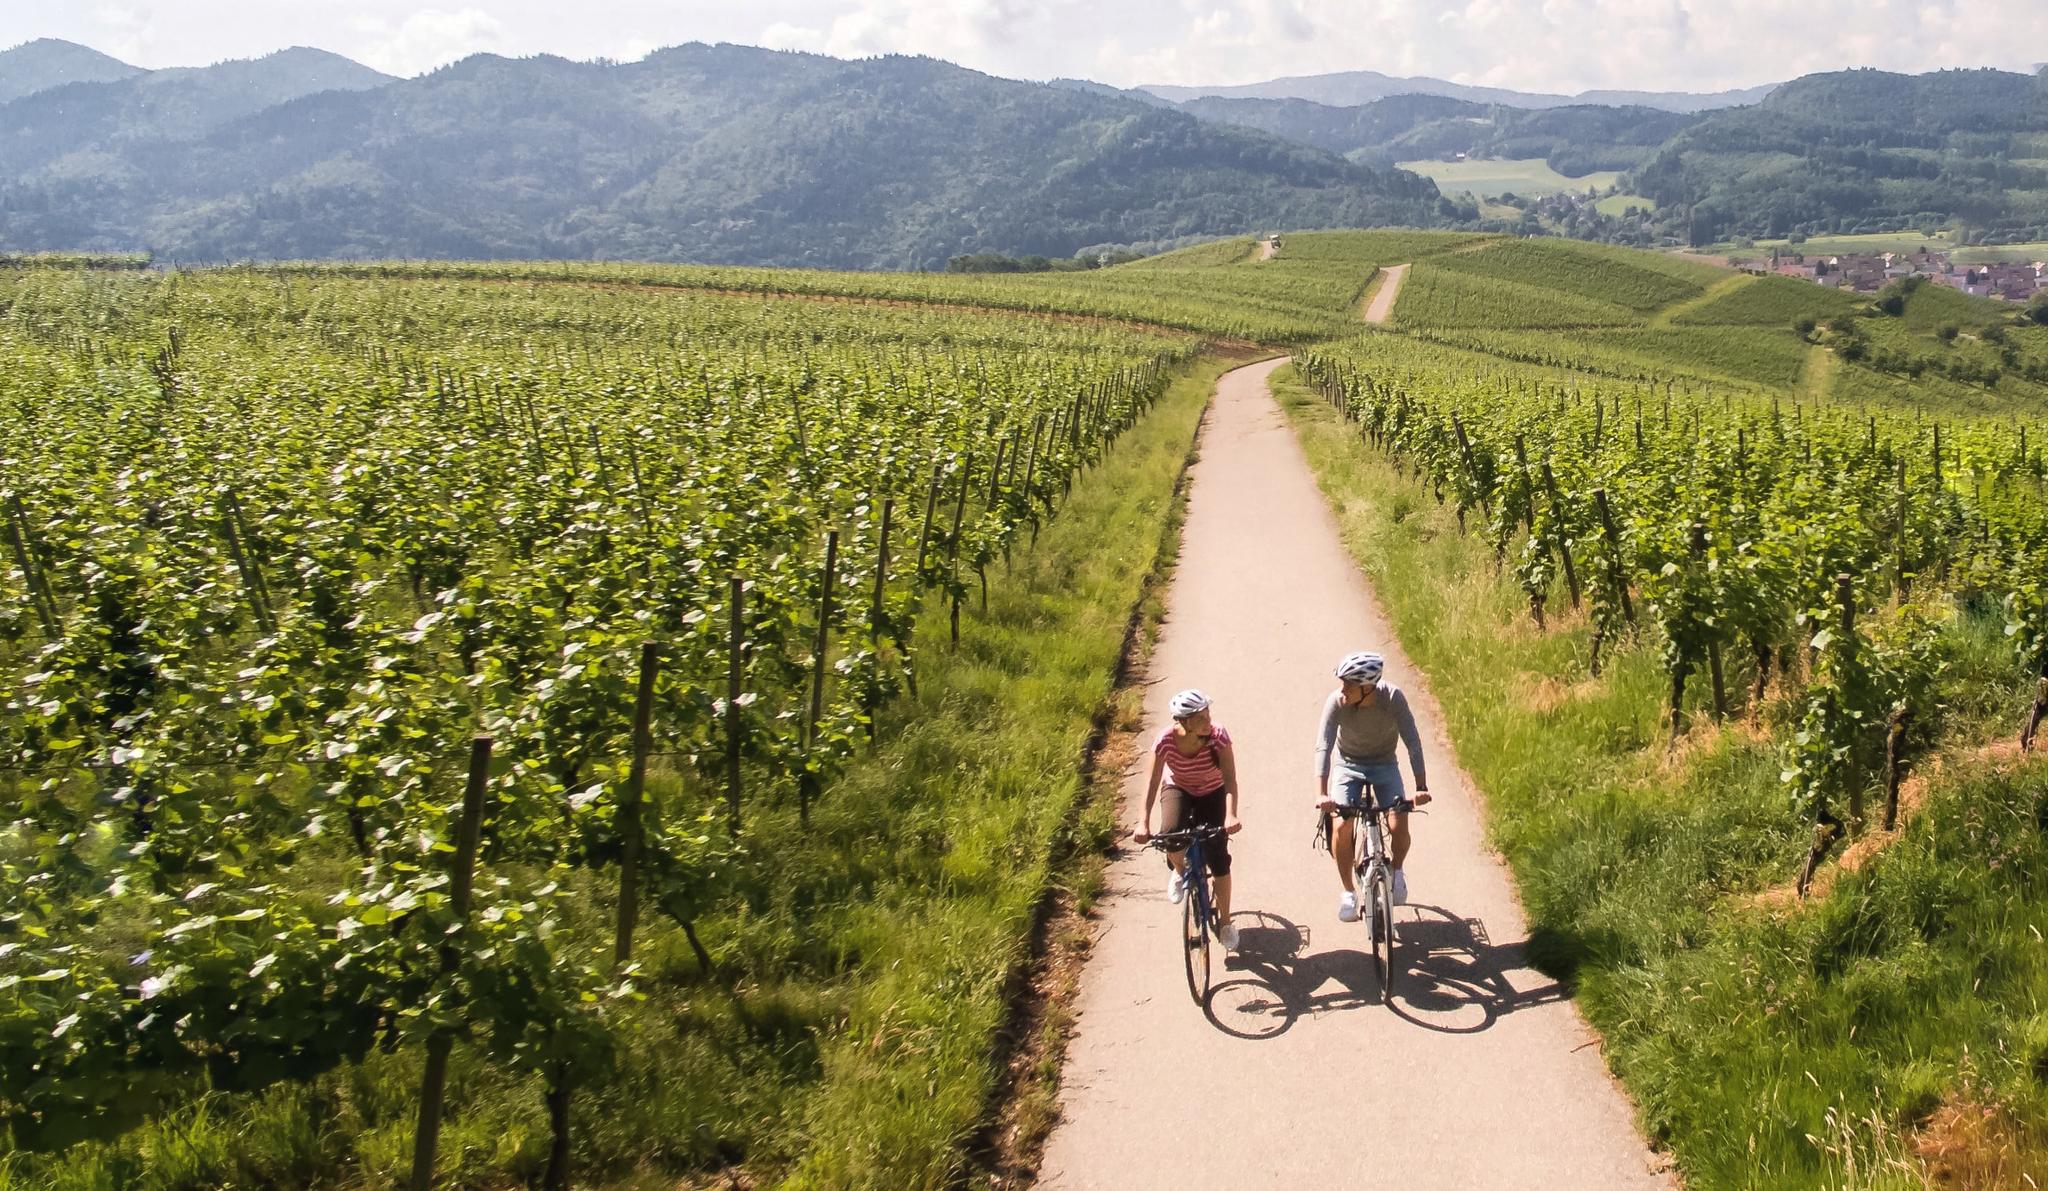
(1168, 841)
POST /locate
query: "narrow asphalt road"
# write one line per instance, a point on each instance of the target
(1479, 1074)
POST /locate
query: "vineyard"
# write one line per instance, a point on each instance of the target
(501, 722)
(348, 625)
(1772, 627)
(1436, 297)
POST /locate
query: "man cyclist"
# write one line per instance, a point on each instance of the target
(1363, 719)
(1200, 768)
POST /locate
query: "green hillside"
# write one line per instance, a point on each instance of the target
(719, 154)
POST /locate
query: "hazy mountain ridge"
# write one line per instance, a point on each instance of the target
(711, 153)
(1574, 140)
(47, 62)
(1353, 88)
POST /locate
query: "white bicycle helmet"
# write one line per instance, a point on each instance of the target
(1187, 703)
(1362, 667)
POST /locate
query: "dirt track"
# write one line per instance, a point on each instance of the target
(1478, 1075)
(1380, 307)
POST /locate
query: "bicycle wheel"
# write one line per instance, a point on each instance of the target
(1195, 937)
(1383, 931)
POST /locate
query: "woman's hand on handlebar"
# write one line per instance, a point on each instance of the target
(1231, 825)
(1142, 833)
(1422, 795)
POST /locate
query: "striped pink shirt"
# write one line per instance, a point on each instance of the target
(1198, 774)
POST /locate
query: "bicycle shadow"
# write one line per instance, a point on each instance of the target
(1452, 978)
(1449, 976)
(1281, 982)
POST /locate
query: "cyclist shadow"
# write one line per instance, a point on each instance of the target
(1449, 976)
(1275, 981)
(1452, 978)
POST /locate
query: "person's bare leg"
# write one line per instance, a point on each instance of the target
(1178, 861)
(1344, 850)
(1221, 888)
(1400, 837)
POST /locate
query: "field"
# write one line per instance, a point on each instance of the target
(1619, 204)
(241, 704)
(1894, 242)
(1771, 302)
(283, 543)
(1886, 1024)
(1529, 177)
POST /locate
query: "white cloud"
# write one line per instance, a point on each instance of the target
(1554, 45)
(433, 37)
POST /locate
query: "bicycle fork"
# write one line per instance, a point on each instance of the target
(1371, 868)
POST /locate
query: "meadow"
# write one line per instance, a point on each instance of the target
(1524, 177)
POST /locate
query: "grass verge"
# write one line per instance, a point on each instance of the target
(1879, 1035)
(845, 1033)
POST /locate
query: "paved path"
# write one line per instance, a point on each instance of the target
(1380, 307)
(1478, 1075)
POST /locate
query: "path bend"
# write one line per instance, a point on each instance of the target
(1379, 304)
(1479, 1075)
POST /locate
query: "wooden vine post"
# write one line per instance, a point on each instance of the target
(629, 827)
(1564, 548)
(1826, 827)
(953, 549)
(461, 876)
(1699, 553)
(32, 576)
(878, 612)
(807, 784)
(735, 666)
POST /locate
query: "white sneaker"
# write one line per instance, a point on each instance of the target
(1347, 907)
(1229, 936)
(1176, 888)
(1400, 888)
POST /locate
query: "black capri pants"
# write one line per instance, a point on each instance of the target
(1179, 810)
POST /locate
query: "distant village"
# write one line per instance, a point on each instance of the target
(1869, 272)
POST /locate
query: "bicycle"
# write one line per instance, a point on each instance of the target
(1374, 883)
(1198, 908)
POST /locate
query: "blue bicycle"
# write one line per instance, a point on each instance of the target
(1198, 908)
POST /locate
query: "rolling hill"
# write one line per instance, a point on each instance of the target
(47, 62)
(720, 154)
(1354, 87)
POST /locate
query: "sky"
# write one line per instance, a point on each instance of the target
(1535, 45)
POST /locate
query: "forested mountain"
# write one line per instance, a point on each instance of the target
(1352, 88)
(39, 65)
(71, 129)
(1864, 149)
(1575, 140)
(705, 153)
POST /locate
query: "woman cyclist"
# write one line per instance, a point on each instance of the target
(1363, 719)
(1200, 767)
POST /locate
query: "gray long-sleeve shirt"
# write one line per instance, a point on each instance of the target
(1365, 733)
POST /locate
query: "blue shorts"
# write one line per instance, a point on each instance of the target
(1389, 793)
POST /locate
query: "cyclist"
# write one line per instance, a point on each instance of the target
(1362, 721)
(1200, 768)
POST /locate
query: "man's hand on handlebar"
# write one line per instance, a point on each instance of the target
(1142, 834)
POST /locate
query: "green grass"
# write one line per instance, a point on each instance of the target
(1530, 176)
(1619, 204)
(1764, 1047)
(1874, 242)
(1639, 281)
(864, 965)
(1771, 302)
(1437, 296)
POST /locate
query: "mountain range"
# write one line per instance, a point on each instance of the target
(721, 154)
(730, 154)
(1351, 88)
